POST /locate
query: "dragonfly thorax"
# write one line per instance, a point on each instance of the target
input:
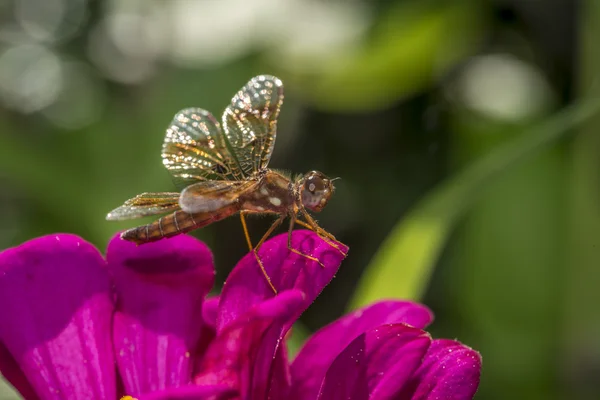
(272, 194)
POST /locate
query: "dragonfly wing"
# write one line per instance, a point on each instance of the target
(146, 204)
(193, 149)
(250, 123)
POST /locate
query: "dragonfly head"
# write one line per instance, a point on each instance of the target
(314, 190)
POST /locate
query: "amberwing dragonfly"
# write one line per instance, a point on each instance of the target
(223, 171)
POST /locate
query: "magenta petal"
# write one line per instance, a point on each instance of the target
(209, 312)
(320, 350)
(209, 329)
(376, 365)
(13, 374)
(450, 371)
(242, 355)
(247, 286)
(193, 392)
(56, 317)
(158, 324)
(281, 379)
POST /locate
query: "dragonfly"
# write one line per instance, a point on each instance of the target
(222, 170)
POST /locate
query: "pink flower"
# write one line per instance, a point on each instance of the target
(139, 323)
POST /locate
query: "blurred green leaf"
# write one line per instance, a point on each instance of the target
(408, 50)
(32, 166)
(505, 267)
(402, 266)
(580, 333)
(296, 338)
(7, 392)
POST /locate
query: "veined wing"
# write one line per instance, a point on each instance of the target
(193, 148)
(209, 196)
(250, 124)
(145, 204)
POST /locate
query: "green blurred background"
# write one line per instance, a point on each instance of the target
(465, 133)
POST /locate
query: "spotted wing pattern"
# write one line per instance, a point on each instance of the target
(145, 204)
(250, 124)
(193, 149)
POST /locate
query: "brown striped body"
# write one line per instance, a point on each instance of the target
(176, 223)
(206, 202)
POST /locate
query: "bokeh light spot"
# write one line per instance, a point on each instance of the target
(30, 77)
(502, 86)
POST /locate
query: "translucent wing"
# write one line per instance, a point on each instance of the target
(145, 204)
(250, 124)
(209, 196)
(193, 149)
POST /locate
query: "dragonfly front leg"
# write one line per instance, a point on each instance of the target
(294, 219)
(313, 226)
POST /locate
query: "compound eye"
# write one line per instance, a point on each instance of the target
(314, 184)
(315, 192)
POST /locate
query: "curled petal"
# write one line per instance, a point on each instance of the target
(242, 355)
(323, 347)
(246, 286)
(376, 365)
(56, 317)
(158, 324)
(450, 371)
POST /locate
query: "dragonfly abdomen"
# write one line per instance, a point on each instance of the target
(176, 223)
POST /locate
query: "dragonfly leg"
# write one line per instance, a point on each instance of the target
(296, 251)
(313, 226)
(254, 250)
(245, 227)
(269, 232)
